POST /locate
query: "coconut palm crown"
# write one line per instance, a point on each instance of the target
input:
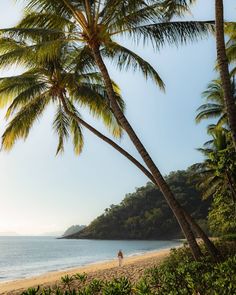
(88, 24)
(47, 82)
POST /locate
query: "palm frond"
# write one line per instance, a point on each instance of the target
(11, 87)
(23, 121)
(173, 33)
(61, 125)
(125, 59)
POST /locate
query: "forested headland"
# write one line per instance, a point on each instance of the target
(144, 213)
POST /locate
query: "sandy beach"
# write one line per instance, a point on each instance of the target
(133, 268)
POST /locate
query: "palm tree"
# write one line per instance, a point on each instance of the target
(224, 69)
(45, 71)
(222, 62)
(214, 108)
(28, 94)
(217, 173)
(92, 25)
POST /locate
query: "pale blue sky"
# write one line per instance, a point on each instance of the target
(40, 192)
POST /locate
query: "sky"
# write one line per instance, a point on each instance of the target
(43, 193)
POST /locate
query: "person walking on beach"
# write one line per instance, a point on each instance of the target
(120, 257)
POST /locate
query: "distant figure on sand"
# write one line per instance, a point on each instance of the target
(120, 257)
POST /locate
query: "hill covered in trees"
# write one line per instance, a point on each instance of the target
(145, 214)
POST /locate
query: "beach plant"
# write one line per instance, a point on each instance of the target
(143, 287)
(81, 277)
(93, 25)
(96, 286)
(32, 291)
(67, 281)
(47, 291)
(117, 286)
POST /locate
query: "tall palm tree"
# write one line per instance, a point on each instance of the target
(222, 62)
(224, 69)
(93, 25)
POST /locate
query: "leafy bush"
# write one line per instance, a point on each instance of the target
(120, 286)
(180, 275)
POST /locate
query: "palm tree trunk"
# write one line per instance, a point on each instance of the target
(209, 245)
(163, 186)
(213, 251)
(104, 138)
(224, 69)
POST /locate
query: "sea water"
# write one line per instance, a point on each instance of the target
(22, 257)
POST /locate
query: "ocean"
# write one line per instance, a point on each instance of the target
(23, 257)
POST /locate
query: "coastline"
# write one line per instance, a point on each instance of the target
(134, 266)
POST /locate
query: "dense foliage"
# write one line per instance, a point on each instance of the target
(217, 173)
(179, 274)
(144, 214)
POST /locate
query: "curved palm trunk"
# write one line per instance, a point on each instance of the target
(163, 186)
(214, 252)
(224, 69)
(105, 138)
(209, 245)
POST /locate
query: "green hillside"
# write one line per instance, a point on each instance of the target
(144, 214)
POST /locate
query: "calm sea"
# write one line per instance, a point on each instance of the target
(22, 257)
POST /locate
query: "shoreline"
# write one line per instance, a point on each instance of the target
(105, 269)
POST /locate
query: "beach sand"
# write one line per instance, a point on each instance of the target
(133, 268)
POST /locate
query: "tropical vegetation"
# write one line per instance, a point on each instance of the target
(63, 46)
(89, 27)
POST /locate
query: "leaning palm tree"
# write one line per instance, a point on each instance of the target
(93, 25)
(62, 78)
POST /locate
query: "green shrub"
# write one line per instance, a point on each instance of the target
(180, 275)
(121, 286)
